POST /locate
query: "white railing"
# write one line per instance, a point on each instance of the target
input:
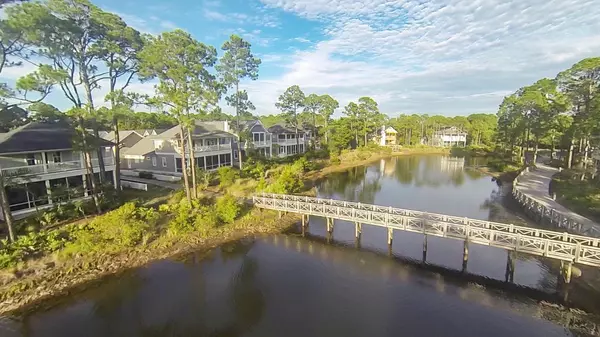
(42, 168)
(134, 185)
(260, 143)
(562, 246)
(206, 148)
(289, 141)
(554, 217)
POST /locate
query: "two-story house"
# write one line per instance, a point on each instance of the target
(211, 142)
(259, 141)
(286, 142)
(41, 165)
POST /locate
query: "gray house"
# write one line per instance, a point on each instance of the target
(162, 153)
(41, 159)
(260, 139)
(286, 142)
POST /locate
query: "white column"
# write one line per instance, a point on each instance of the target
(85, 186)
(48, 190)
(115, 179)
(219, 160)
(45, 162)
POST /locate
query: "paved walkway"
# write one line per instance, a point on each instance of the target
(165, 184)
(536, 185)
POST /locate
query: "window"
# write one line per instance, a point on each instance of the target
(31, 159)
(281, 150)
(256, 137)
(153, 161)
(225, 159)
(56, 157)
(235, 154)
(164, 161)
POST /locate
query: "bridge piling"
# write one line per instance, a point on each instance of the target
(357, 230)
(465, 255)
(390, 236)
(510, 267)
(566, 270)
(424, 248)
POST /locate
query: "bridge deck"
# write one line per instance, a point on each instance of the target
(552, 244)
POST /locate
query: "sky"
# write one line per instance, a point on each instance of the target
(448, 57)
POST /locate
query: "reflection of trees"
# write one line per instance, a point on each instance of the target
(430, 171)
(353, 184)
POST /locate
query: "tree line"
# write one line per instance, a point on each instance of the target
(563, 111)
(78, 48)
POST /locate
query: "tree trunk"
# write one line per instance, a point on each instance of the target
(99, 153)
(117, 155)
(366, 134)
(535, 152)
(552, 148)
(183, 163)
(326, 132)
(570, 155)
(192, 164)
(8, 218)
(297, 139)
(89, 167)
(238, 127)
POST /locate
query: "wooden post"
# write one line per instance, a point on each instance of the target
(567, 272)
(510, 267)
(424, 248)
(390, 236)
(357, 230)
(280, 214)
(465, 255)
(303, 222)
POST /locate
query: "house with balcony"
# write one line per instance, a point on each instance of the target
(42, 166)
(388, 136)
(451, 136)
(286, 142)
(212, 144)
(259, 139)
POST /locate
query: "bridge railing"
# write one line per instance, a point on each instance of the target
(498, 226)
(523, 239)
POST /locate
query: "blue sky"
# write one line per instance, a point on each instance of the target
(450, 57)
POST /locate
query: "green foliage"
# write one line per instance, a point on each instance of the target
(29, 246)
(255, 168)
(124, 227)
(290, 103)
(205, 178)
(288, 181)
(227, 176)
(227, 209)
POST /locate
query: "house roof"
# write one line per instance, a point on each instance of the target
(141, 148)
(281, 128)
(245, 125)
(201, 129)
(390, 130)
(40, 136)
(110, 136)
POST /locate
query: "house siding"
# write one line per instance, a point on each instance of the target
(146, 163)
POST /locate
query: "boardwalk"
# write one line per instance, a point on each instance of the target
(565, 247)
(535, 184)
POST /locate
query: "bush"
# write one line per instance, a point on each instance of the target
(146, 175)
(288, 181)
(227, 176)
(121, 228)
(29, 246)
(227, 209)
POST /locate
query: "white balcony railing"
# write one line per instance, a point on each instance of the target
(289, 141)
(259, 143)
(207, 148)
(40, 169)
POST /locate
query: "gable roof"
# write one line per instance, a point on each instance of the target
(141, 148)
(110, 136)
(40, 136)
(246, 125)
(281, 128)
(390, 130)
(201, 129)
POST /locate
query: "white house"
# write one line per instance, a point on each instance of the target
(451, 136)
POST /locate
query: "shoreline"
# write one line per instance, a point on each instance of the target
(41, 290)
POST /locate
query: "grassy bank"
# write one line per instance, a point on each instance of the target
(582, 196)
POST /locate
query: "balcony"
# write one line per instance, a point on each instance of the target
(289, 141)
(41, 169)
(206, 149)
(259, 143)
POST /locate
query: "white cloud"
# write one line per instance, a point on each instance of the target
(442, 56)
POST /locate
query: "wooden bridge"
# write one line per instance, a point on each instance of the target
(568, 248)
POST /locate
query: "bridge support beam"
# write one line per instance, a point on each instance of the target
(424, 248)
(465, 255)
(566, 270)
(329, 225)
(357, 230)
(510, 267)
(390, 236)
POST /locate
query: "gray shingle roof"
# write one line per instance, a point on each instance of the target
(141, 148)
(39, 136)
(110, 136)
(280, 128)
(202, 129)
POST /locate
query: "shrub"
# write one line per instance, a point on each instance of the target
(146, 175)
(227, 208)
(204, 178)
(288, 181)
(227, 176)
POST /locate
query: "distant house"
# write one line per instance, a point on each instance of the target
(451, 136)
(127, 138)
(42, 158)
(212, 146)
(286, 142)
(387, 136)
